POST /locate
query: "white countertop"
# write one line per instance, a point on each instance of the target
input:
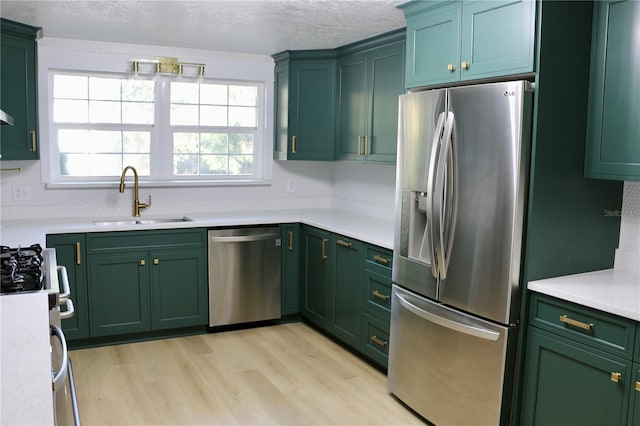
(610, 290)
(365, 228)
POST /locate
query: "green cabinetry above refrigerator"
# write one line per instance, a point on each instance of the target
(613, 141)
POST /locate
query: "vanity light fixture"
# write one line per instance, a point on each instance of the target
(166, 65)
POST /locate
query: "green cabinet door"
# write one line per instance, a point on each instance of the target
(178, 288)
(18, 85)
(433, 45)
(290, 303)
(70, 254)
(281, 111)
(346, 295)
(352, 107)
(497, 38)
(119, 293)
(634, 403)
(385, 77)
(567, 383)
(318, 256)
(613, 146)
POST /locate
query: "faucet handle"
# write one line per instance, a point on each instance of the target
(144, 205)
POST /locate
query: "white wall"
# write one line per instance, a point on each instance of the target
(628, 252)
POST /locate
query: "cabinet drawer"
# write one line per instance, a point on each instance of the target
(101, 241)
(375, 335)
(379, 259)
(592, 327)
(378, 294)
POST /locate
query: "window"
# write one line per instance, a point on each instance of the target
(170, 131)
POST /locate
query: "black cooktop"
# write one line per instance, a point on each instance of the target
(21, 268)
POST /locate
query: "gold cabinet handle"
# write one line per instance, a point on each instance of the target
(344, 243)
(616, 377)
(382, 260)
(637, 386)
(324, 249)
(379, 295)
(290, 241)
(293, 144)
(156, 261)
(359, 145)
(565, 319)
(366, 145)
(33, 140)
(465, 65)
(451, 67)
(378, 341)
(143, 262)
(78, 259)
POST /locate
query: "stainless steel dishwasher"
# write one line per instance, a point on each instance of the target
(244, 275)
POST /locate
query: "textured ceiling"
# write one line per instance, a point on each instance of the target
(248, 26)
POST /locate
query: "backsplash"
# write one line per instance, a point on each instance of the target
(628, 252)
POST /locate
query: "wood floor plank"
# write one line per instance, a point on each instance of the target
(279, 375)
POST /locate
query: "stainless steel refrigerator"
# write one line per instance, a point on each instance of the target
(463, 162)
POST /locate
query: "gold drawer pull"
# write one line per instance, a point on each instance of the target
(33, 140)
(565, 319)
(451, 67)
(616, 377)
(143, 262)
(290, 241)
(293, 144)
(465, 65)
(324, 249)
(378, 341)
(379, 295)
(637, 386)
(344, 243)
(78, 259)
(156, 261)
(382, 260)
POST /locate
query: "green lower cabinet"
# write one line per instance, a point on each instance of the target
(345, 294)
(375, 339)
(290, 303)
(568, 383)
(179, 298)
(316, 275)
(119, 293)
(70, 254)
(634, 405)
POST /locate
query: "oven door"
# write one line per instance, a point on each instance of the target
(64, 393)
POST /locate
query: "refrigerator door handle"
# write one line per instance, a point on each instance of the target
(431, 181)
(445, 322)
(447, 209)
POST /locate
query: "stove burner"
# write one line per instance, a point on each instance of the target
(21, 268)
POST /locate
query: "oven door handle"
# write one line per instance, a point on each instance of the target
(67, 313)
(64, 279)
(74, 398)
(60, 376)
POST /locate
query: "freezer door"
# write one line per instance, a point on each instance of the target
(451, 368)
(421, 118)
(491, 144)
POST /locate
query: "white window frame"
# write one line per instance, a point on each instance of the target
(94, 58)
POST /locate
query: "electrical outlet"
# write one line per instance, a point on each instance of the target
(291, 185)
(21, 192)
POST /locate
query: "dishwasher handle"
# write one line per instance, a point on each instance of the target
(244, 238)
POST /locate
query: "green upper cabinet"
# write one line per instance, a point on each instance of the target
(613, 143)
(452, 41)
(304, 105)
(370, 79)
(70, 254)
(18, 85)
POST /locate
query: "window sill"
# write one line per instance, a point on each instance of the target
(159, 184)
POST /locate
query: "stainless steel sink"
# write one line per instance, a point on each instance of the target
(149, 221)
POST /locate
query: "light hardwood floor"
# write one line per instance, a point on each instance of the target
(278, 375)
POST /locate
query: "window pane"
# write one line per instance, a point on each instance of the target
(105, 164)
(70, 87)
(106, 141)
(213, 94)
(184, 93)
(104, 88)
(104, 112)
(243, 95)
(242, 117)
(137, 113)
(184, 115)
(141, 162)
(185, 143)
(74, 165)
(241, 143)
(240, 164)
(213, 165)
(65, 111)
(73, 141)
(138, 90)
(185, 164)
(213, 143)
(136, 142)
(213, 116)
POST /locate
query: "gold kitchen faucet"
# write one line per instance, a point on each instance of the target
(137, 205)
